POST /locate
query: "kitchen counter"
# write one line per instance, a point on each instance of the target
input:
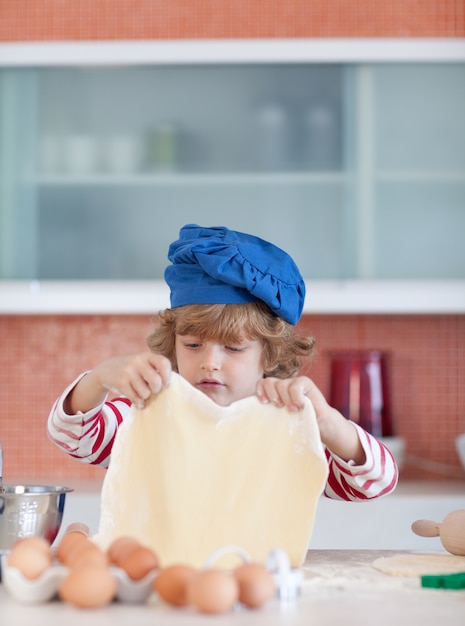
(339, 587)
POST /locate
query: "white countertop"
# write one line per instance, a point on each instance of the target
(340, 587)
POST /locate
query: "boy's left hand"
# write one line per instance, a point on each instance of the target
(291, 393)
(337, 433)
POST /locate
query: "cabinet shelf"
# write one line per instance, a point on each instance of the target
(246, 178)
(186, 179)
(420, 176)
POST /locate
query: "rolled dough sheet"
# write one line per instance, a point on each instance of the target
(420, 564)
(188, 477)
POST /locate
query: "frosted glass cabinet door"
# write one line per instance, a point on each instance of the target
(18, 185)
(419, 137)
(123, 157)
(357, 169)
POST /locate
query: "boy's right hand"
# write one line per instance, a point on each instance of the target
(136, 376)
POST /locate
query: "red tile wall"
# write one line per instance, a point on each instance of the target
(178, 19)
(42, 354)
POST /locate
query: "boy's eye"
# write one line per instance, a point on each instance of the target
(234, 348)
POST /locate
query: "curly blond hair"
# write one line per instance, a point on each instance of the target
(284, 350)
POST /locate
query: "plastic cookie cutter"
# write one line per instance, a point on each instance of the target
(444, 581)
(220, 552)
(288, 580)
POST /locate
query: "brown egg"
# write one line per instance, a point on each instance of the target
(78, 527)
(75, 548)
(213, 591)
(139, 562)
(120, 548)
(68, 543)
(256, 584)
(31, 555)
(88, 587)
(172, 582)
(32, 543)
(87, 553)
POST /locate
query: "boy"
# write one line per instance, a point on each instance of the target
(230, 332)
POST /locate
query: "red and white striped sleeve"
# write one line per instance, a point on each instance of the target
(87, 437)
(377, 477)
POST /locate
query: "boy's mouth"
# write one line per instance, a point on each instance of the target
(209, 383)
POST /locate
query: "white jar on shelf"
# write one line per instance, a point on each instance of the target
(321, 142)
(81, 154)
(273, 137)
(123, 154)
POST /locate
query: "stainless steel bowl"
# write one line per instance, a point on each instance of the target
(30, 511)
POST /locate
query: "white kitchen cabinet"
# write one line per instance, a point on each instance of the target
(355, 163)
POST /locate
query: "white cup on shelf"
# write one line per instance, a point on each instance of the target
(123, 154)
(81, 154)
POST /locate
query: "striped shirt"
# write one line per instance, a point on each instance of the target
(88, 437)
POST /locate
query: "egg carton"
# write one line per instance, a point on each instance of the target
(45, 587)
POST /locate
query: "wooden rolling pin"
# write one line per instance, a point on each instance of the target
(451, 531)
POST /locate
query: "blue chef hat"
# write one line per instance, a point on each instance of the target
(221, 266)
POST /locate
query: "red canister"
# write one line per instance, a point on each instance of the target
(360, 389)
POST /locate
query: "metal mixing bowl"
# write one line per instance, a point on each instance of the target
(30, 511)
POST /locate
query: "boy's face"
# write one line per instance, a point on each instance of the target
(225, 373)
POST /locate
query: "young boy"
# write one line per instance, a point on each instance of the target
(230, 332)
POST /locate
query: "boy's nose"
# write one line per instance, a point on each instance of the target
(211, 359)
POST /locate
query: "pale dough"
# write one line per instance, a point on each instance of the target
(420, 564)
(188, 476)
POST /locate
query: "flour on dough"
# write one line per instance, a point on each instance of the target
(188, 476)
(420, 564)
